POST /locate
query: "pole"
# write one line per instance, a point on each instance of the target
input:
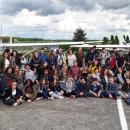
(1, 32)
(43, 35)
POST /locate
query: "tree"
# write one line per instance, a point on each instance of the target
(124, 37)
(116, 40)
(112, 39)
(105, 40)
(127, 39)
(79, 35)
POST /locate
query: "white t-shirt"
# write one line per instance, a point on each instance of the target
(71, 59)
(30, 75)
(7, 63)
(14, 92)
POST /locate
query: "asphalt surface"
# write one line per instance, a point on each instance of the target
(63, 114)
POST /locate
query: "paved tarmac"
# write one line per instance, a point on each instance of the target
(63, 114)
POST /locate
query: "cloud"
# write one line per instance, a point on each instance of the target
(49, 7)
(96, 20)
(114, 4)
(62, 17)
(43, 7)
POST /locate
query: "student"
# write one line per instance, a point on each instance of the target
(75, 70)
(15, 58)
(42, 56)
(93, 66)
(56, 90)
(4, 62)
(28, 91)
(29, 74)
(84, 72)
(9, 76)
(52, 58)
(104, 78)
(128, 61)
(111, 89)
(96, 74)
(95, 88)
(120, 63)
(30, 60)
(104, 56)
(82, 90)
(68, 87)
(61, 57)
(70, 58)
(80, 57)
(13, 96)
(112, 61)
(120, 77)
(44, 91)
(20, 80)
(125, 90)
(89, 57)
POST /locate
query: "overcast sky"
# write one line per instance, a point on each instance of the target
(57, 19)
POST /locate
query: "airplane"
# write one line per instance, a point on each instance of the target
(52, 45)
(46, 44)
(83, 44)
(122, 45)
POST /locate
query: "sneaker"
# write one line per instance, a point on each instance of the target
(72, 96)
(15, 104)
(61, 97)
(50, 98)
(29, 101)
(39, 98)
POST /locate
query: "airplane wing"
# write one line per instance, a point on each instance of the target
(93, 42)
(39, 44)
(46, 44)
(101, 46)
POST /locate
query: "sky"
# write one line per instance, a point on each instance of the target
(58, 19)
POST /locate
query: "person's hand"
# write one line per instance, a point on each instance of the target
(126, 95)
(70, 91)
(37, 82)
(98, 95)
(81, 94)
(110, 96)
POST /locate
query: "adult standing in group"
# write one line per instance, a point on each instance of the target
(120, 62)
(70, 58)
(4, 62)
(80, 57)
(42, 56)
(61, 58)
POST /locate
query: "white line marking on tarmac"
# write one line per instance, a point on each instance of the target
(122, 115)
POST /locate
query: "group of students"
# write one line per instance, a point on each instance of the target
(57, 74)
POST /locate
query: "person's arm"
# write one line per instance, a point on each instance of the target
(99, 93)
(117, 63)
(124, 64)
(107, 88)
(75, 59)
(93, 93)
(120, 79)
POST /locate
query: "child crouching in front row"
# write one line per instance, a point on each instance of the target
(13, 96)
(82, 89)
(44, 91)
(95, 88)
(111, 90)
